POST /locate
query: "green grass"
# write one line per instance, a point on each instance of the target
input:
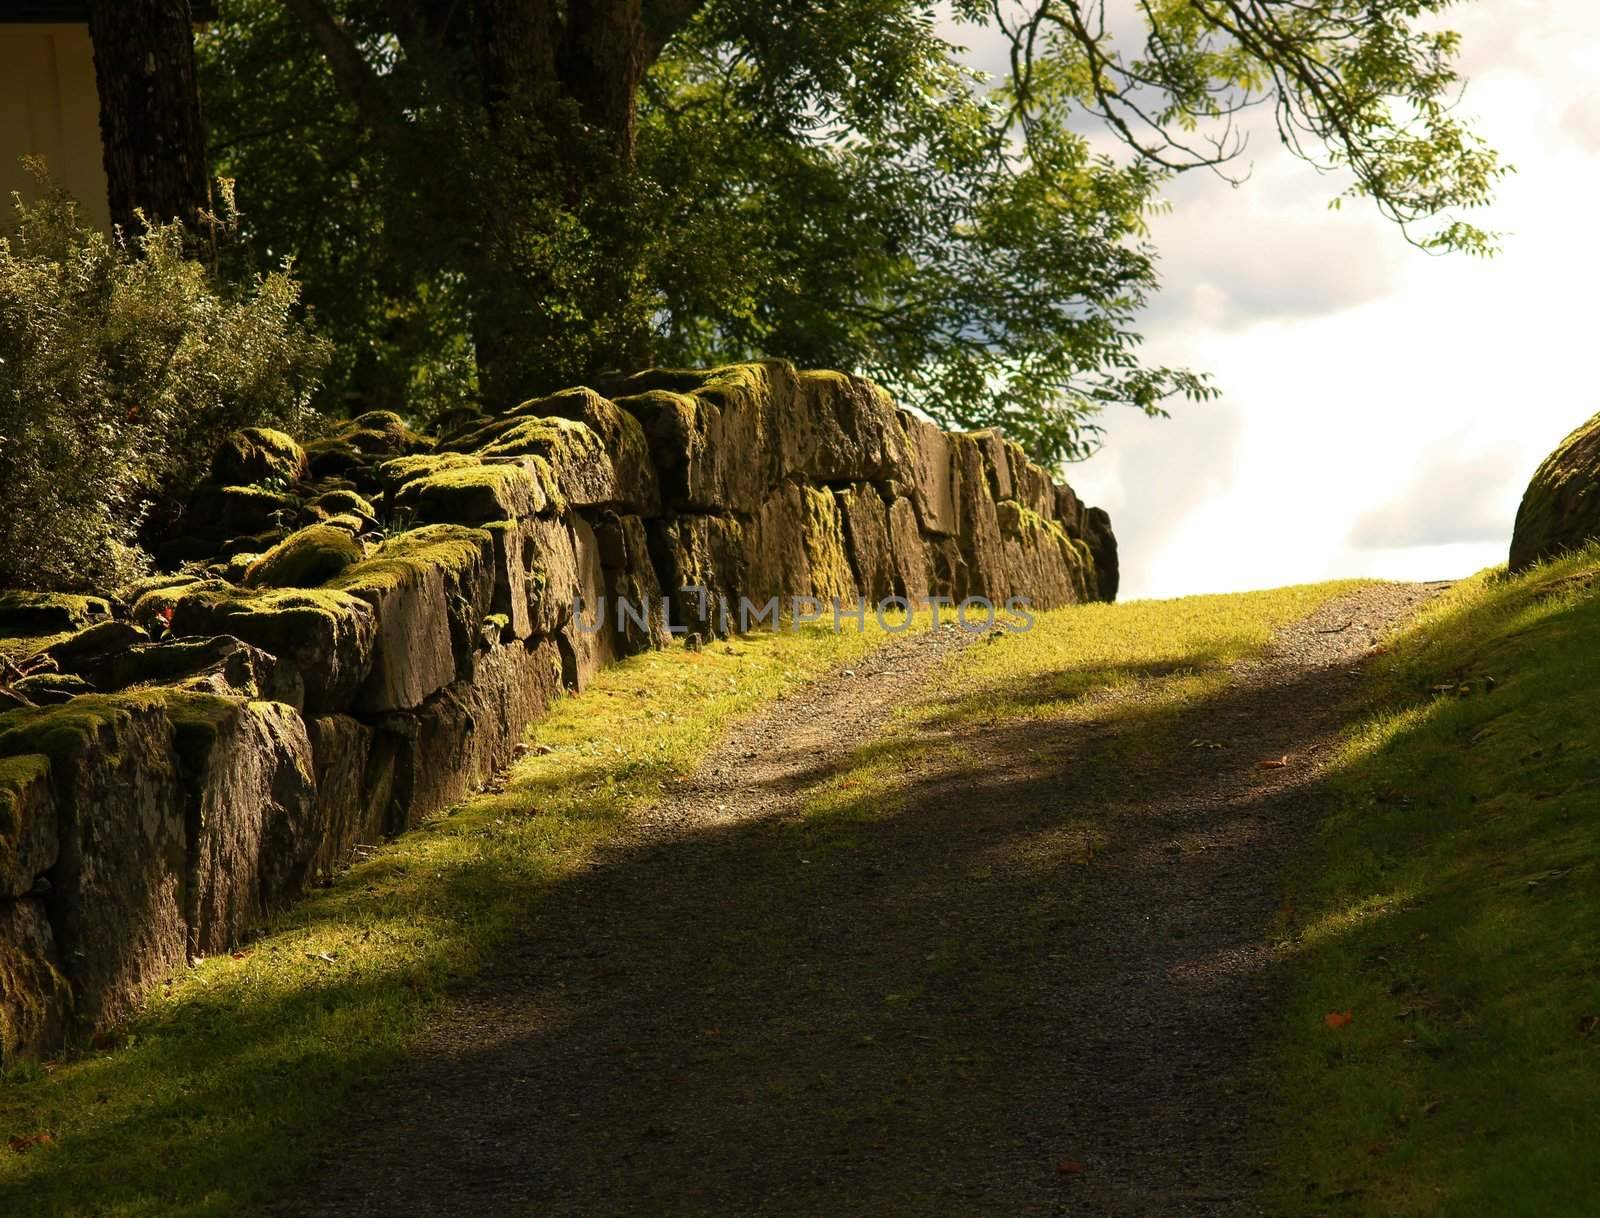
(1175, 652)
(1452, 907)
(225, 1087)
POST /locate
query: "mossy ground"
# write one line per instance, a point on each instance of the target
(224, 1088)
(1452, 908)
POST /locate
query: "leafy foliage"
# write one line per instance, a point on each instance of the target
(121, 369)
(822, 182)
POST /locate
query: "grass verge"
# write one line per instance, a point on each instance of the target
(223, 1089)
(1451, 909)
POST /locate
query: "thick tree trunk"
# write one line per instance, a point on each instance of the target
(150, 122)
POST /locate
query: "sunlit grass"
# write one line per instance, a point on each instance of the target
(1452, 905)
(1070, 665)
(226, 1085)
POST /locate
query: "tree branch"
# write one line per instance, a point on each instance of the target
(351, 72)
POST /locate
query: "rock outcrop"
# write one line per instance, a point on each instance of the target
(355, 632)
(1560, 510)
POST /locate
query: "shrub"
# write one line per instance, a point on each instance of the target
(123, 364)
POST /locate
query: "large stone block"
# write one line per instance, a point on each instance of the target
(117, 895)
(831, 576)
(835, 428)
(326, 633)
(466, 733)
(252, 812)
(220, 665)
(429, 590)
(776, 563)
(713, 448)
(1102, 543)
(35, 999)
(1043, 565)
(638, 621)
(908, 554)
(637, 489)
(536, 575)
(30, 841)
(583, 472)
(979, 529)
(1031, 486)
(354, 789)
(996, 463)
(705, 553)
(935, 489)
(588, 640)
(478, 491)
(866, 535)
(1560, 510)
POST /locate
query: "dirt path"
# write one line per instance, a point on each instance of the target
(966, 1012)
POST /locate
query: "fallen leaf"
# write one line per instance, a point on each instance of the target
(1337, 1019)
(238, 955)
(1270, 764)
(21, 1143)
(1068, 1168)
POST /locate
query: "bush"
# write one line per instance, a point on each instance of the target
(122, 366)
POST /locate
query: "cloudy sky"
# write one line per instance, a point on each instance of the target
(1381, 409)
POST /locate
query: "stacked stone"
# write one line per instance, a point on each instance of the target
(362, 627)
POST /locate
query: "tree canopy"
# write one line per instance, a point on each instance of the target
(498, 197)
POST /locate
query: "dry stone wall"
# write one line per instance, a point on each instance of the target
(356, 632)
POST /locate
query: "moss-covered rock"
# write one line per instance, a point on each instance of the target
(35, 999)
(90, 649)
(307, 559)
(978, 529)
(706, 552)
(866, 538)
(394, 474)
(831, 576)
(219, 510)
(341, 502)
(327, 634)
(1560, 510)
(831, 428)
(478, 492)
(116, 898)
(40, 613)
(1043, 565)
(429, 590)
(908, 555)
(582, 467)
(251, 796)
(931, 479)
(259, 454)
(29, 837)
(635, 487)
(51, 688)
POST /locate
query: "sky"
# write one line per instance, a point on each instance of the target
(1382, 409)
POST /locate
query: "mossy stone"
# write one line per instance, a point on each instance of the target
(36, 613)
(307, 559)
(1560, 510)
(259, 454)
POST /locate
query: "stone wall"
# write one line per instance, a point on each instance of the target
(357, 631)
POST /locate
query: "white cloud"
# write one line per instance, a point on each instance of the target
(1382, 409)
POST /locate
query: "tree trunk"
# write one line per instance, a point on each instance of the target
(150, 122)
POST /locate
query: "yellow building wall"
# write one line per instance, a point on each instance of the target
(49, 107)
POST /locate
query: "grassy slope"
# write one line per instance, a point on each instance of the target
(1178, 651)
(224, 1087)
(1452, 907)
